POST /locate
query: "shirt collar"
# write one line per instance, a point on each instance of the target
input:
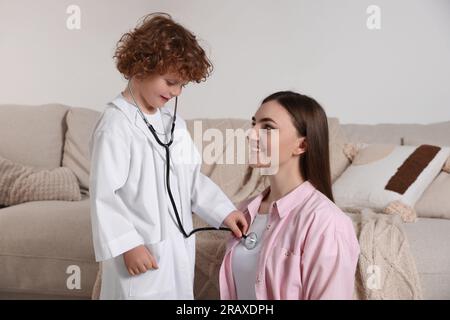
(295, 198)
(131, 110)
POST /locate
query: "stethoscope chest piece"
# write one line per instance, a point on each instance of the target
(250, 241)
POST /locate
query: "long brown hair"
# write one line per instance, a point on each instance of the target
(310, 120)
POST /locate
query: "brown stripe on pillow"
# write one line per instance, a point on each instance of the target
(413, 166)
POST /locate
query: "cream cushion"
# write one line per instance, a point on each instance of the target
(363, 184)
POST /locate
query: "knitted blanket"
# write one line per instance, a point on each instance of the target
(386, 268)
(19, 183)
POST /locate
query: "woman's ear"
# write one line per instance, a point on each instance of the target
(301, 146)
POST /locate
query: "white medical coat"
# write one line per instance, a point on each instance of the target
(130, 205)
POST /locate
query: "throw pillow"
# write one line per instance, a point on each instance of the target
(389, 178)
(19, 183)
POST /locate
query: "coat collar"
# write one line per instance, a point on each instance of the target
(283, 206)
(131, 112)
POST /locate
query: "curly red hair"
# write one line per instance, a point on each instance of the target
(160, 45)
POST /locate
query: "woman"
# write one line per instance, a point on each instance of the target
(307, 248)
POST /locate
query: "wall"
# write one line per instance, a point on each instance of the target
(400, 73)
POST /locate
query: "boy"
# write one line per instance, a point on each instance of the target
(135, 231)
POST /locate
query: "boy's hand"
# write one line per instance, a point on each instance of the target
(237, 223)
(138, 260)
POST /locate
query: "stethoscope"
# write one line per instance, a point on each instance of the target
(250, 240)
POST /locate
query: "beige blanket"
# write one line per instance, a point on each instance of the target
(386, 268)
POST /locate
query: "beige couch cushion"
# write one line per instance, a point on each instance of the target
(39, 241)
(33, 135)
(430, 244)
(80, 125)
(435, 202)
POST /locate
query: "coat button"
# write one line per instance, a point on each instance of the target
(268, 227)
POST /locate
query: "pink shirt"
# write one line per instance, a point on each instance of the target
(310, 250)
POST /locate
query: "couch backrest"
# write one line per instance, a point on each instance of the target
(51, 135)
(80, 126)
(33, 135)
(435, 133)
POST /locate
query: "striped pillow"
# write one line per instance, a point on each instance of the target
(388, 178)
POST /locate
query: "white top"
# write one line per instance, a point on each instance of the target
(155, 120)
(245, 261)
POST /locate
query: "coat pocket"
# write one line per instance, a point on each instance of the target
(155, 283)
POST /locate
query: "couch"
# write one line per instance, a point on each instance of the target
(43, 242)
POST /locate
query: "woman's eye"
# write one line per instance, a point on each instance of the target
(268, 127)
